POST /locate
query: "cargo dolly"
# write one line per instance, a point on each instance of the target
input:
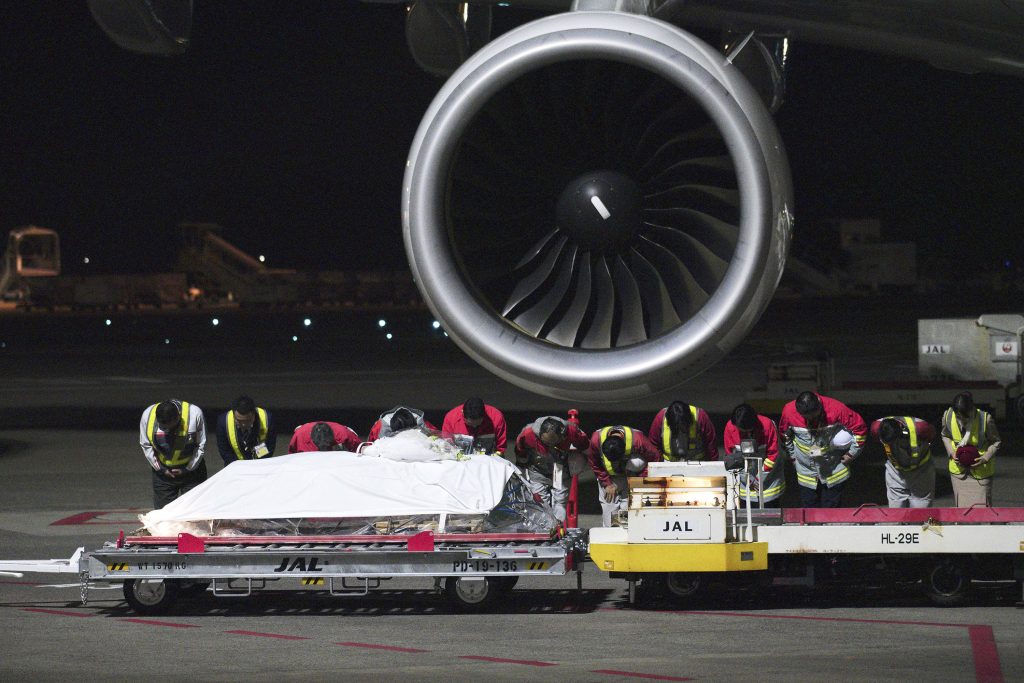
(472, 570)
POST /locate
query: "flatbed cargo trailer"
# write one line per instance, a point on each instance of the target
(472, 570)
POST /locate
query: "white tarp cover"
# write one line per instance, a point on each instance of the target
(337, 485)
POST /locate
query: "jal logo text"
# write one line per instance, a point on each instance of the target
(676, 526)
(299, 564)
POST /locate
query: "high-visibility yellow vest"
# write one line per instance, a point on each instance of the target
(696, 445)
(177, 456)
(915, 448)
(980, 427)
(608, 465)
(261, 419)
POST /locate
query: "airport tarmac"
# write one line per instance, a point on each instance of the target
(60, 489)
(72, 474)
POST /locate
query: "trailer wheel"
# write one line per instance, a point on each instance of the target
(151, 596)
(471, 594)
(684, 585)
(947, 581)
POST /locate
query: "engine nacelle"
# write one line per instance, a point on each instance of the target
(597, 206)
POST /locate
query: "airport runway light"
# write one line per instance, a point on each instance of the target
(85, 260)
(295, 338)
(215, 321)
(307, 322)
(382, 322)
(167, 341)
(108, 322)
(436, 325)
(263, 259)
(389, 335)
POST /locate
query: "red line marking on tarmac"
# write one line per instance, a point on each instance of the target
(499, 660)
(374, 646)
(267, 635)
(987, 668)
(152, 622)
(634, 674)
(84, 518)
(986, 656)
(54, 611)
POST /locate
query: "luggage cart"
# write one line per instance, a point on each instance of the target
(471, 570)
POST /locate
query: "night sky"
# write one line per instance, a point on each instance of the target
(289, 122)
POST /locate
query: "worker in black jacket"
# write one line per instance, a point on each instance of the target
(246, 432)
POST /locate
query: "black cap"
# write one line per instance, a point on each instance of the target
(473, 409)
(322, 436)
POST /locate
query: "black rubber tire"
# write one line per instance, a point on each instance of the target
(471, 594)
(684, 585)
(947, 581)
(151, 596)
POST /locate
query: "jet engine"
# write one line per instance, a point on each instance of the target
(597, 206)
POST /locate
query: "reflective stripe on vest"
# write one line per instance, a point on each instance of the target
(629, 446)
(176, 458)
(695, 446)
(980, 429)
(915, 451)
(261, 419)
(770, 493)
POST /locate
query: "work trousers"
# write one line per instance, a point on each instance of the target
(915, 489)
(166, 489)
(821, 497)
(620, 502)
(968, 491)
(552, 490)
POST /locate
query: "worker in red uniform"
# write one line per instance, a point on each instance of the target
(399, 419)
(684, 432)
(909, 471)
(822, 436)
(476, 427)
(323, 437)
(749, 431)
(545, 449)
(617, 453)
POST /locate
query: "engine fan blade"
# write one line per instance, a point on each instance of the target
(661, 314)
(535, 317)
(567, 329)
(685, 292)
(631, 307)
(707, 268)
(599, 335)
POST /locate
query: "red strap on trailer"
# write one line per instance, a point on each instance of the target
(187, 543)
(421, 542)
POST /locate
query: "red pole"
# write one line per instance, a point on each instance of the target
(571, 507)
